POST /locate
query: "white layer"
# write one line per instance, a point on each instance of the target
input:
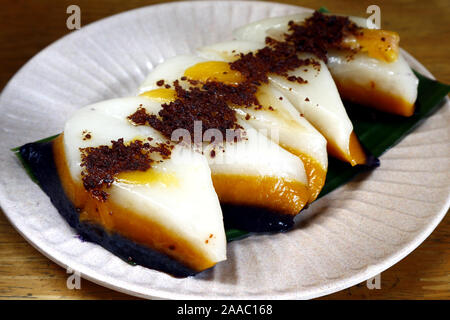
(255, 155)
(395, 78)
(186, 203)
(318, 99)
(170, 70)
(258, 31)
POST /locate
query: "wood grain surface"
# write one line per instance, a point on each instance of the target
(28, 26)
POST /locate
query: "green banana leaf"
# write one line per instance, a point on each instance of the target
(25, 163)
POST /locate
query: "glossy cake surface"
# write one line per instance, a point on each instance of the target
(171, 207)
(375, 74)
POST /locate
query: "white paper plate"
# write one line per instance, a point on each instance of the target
(347, 237)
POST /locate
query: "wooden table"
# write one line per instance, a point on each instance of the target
(27, 26)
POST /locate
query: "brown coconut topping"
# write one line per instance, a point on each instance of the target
(208, 104)
(277, 57)
(101, 164)
(319, 33)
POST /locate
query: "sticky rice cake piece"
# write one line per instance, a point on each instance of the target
(365, 78)
(171, 208)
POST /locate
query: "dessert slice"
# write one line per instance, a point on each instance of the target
(365, 63)
(275, 113)
(129, 189)
(305, 81)
(261, 186)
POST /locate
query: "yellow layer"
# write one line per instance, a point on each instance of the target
(315, 172)
(161, 95)
(214, 71)
(148, 177)
(354, 155)
(277, 194)
(124, 221)
(371, 96)
(379, 44)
